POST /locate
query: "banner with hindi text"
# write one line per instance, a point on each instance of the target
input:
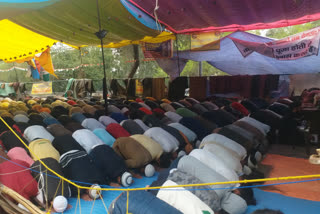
(290, 48)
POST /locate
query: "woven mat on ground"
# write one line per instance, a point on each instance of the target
(282, 166)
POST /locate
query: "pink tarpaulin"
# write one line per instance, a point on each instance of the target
(231, 15)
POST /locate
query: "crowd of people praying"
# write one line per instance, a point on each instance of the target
(181, 142)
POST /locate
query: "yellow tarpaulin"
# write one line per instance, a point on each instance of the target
(164, 36)
(18, 43)
(46, 62)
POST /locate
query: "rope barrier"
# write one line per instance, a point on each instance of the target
(162, 187)
(153, 188)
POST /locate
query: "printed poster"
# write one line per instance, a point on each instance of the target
(41, 88)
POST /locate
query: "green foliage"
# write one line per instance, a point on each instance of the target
(279, 33)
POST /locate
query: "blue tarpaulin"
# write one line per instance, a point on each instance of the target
(230, 60)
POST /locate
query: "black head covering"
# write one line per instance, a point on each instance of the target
(151, 104)
(10, 140)
(73, 126)
(52, 186)
(36, 119)
(152, 121)
(64, 119)
(99, 113)
(132, 127)
(65, 144)
(9, 121)
(134, 105)
(58, 111)
(22, 126)
(136, 114)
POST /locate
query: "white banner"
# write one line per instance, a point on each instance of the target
(290, 48)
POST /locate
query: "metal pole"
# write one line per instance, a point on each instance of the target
(17, 79)
(200, 68)
(80, 68)
(104, 81)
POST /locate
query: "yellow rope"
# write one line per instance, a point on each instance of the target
(161, 187)
(45, 195)
(55, 194)
(103, 201)
(62, 186)
(94, 200)
(75, 210)
(79, 200)
(127, 202)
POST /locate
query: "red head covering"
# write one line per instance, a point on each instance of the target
(22, 182)
(158, 110)
(239, 107)
(71, 102)
(117, 131)
(138, 100)
(145, 110)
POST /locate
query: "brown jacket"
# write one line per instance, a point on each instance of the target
(134, 154)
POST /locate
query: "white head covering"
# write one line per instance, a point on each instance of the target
(106, 120)
(246, 170)
(181, 153)
(92, 124)
(174, 117)
(216, 164)
(250, 164)
(149, 170)
(126, 179)
(113, 109)
(165, 139)
(124, 110)
(186, 131)
(21, 118)
(141, 124)
(183, 200)
(228, 158)
(87, 139)
(94, 193)
(226, 142)
(234, 204)
(60, 204)
(261, 126)
(36, 131)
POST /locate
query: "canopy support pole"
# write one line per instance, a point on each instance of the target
(14, 66)
(101, 34)
(200, 68)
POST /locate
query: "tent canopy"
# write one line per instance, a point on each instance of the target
(231, 15)
(230, 60)
(75, 22)
(10, 8)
